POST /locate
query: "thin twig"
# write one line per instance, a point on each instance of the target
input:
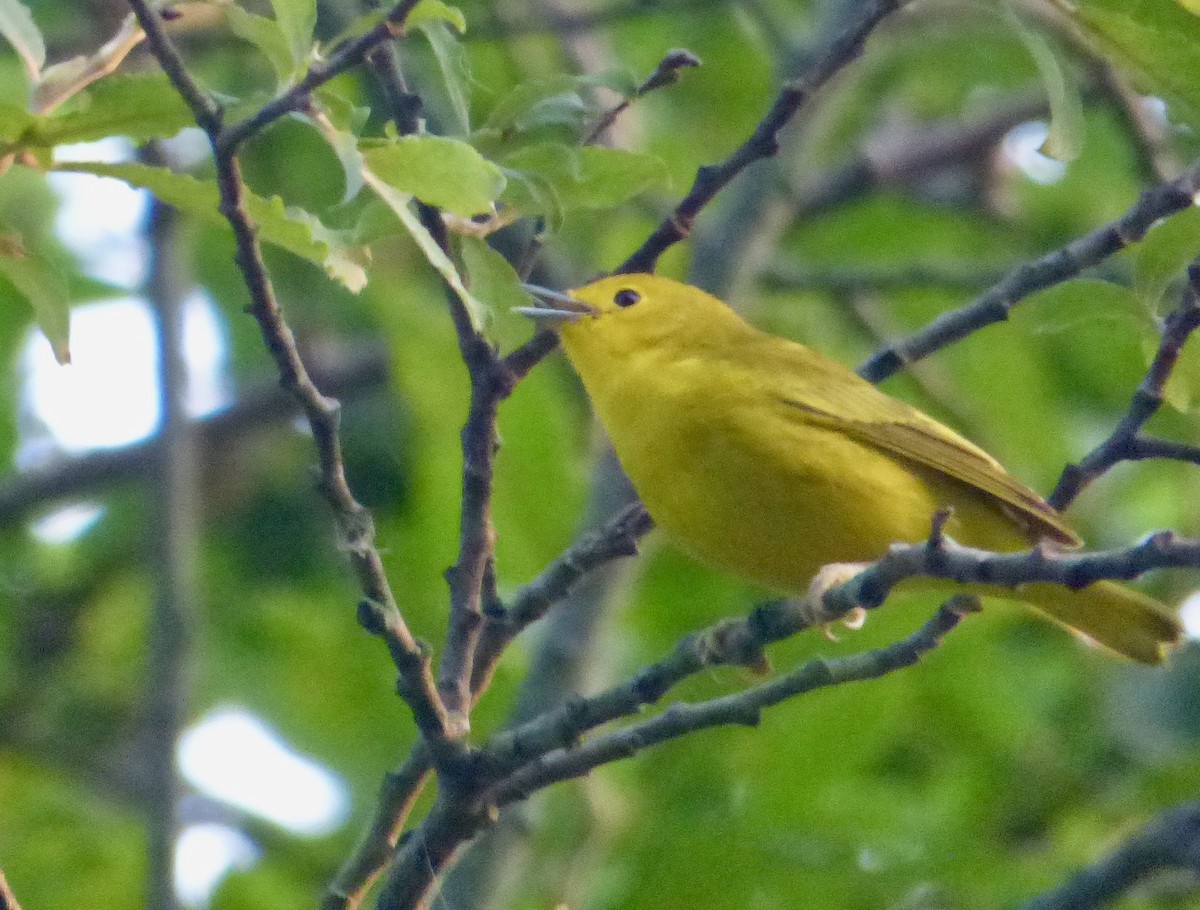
(1053, 268)
(430, 847)
(666, 73)
(764, 142)
(375, 848)
(1125, 441)
(343, 58)
(617, 539)
(743, 708)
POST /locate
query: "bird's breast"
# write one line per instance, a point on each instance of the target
(766, 499)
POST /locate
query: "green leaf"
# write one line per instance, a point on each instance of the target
(297, 20)
(142, 107)
(494, 281)
(492, 278)
(19, 29)
(1097, 335)
(553, 101)
(265, 34)
(540, 102)
(399, 202)
(1088, 302)
(533, 194)
(14, 121)
(41, 284)
(1162, 257)
(1064, 140)
(443, 172)
(609, 177)
(291, 229)
(1156, 42)
(456, 74)
(437, 11)
(345, 146)
(590, 177)
(1182, 391)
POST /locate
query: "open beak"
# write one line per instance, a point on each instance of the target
(553, 307)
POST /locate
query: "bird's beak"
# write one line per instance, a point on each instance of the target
(553, 307)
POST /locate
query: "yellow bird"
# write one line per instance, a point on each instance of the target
(769, 460)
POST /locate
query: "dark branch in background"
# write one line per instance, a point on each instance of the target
(1053, 268)
(1150, 133)
(360, 371)
(565, 26)
(914, 157)
(177, 542)
(764, 142)
(1126, 442)
(1171, 841)
(416, 680)
(855, 280)
(8, 900)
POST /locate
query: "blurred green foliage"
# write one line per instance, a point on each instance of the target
(1008, 758)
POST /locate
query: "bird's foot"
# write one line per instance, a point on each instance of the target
(831, 576)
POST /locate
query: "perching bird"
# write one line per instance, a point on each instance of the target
(768, 459)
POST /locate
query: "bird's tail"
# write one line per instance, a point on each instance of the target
(1120, 618)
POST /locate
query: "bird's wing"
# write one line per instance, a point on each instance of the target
(868, 415)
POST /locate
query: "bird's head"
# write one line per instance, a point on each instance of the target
(623, 313)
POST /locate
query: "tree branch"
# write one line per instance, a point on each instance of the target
(345, 57)
(764, 142)
(361, 370)
(994, 305)
(1125, 442)
(941, 557)
(617, 539)
(416, 680)
(431, 847)
(175, 567)
(1171, 841)
(742, 708)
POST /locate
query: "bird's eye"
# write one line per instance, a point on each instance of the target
(626, 297)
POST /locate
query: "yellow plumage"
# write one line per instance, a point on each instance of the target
(770, 460)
